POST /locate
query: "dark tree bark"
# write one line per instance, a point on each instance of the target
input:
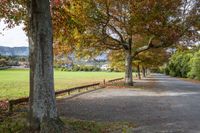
(43, 115)
(138, 71)
(128, 65)
(129, 59)
(128, 72)
(143, 71)
(146, 70)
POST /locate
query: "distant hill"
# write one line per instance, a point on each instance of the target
(14, 51)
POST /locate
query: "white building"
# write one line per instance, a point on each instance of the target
(105, 67)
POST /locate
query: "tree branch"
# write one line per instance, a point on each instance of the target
(113, 28)
(144, 48)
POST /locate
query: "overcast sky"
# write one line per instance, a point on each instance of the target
(14, 37)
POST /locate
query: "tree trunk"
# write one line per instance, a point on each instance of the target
(138, 70)
(43, 115)
(128, 63)
(146, 70)
(143, 71)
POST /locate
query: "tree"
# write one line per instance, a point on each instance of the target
(107, 25)
(13, 12)
(3, 62)
(152, 59)
(43, 115)
(43, 112)
(194, 65)
(178, 65)
(99, 25)
(138, 71)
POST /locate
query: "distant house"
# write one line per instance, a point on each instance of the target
(24, 64)
(105, 67)
(68, 66)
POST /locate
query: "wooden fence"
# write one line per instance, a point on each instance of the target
(113, 80)
(79, 88)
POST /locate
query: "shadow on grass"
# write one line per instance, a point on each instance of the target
(18, 124)
(76, 94)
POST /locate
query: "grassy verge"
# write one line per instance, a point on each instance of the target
(15, 83)
(79, 126)
(17, 123)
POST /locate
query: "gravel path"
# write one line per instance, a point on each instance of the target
(163, 104)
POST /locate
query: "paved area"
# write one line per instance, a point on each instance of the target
(159, 104)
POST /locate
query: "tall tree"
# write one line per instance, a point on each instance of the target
(36, 15)
(152, 58)
(113, 25)
(99, 25)
(43, 112)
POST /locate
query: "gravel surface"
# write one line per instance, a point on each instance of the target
(159, 104)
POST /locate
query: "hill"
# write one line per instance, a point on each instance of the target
(14, 51)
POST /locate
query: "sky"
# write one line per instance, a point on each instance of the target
(14, 37)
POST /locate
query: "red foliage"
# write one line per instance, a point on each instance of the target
(55, 2)
(3, 105)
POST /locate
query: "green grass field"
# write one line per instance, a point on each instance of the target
(15, 83)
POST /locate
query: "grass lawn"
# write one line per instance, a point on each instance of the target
(15, 83)
(17, 123)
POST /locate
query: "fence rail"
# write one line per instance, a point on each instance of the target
(76, 88)
(113, 80)
(11, 103)
(79, 88)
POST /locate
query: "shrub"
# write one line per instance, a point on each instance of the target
(179, 65)
(195, 66)
(3, 62)
(86, 68)
(63, 69)
(97, 69)
(76, 68)
(81, 68)
(90, 68)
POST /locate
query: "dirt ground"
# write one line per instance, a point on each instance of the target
(156, 104)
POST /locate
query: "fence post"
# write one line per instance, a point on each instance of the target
(10, 107)
(104, 82)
